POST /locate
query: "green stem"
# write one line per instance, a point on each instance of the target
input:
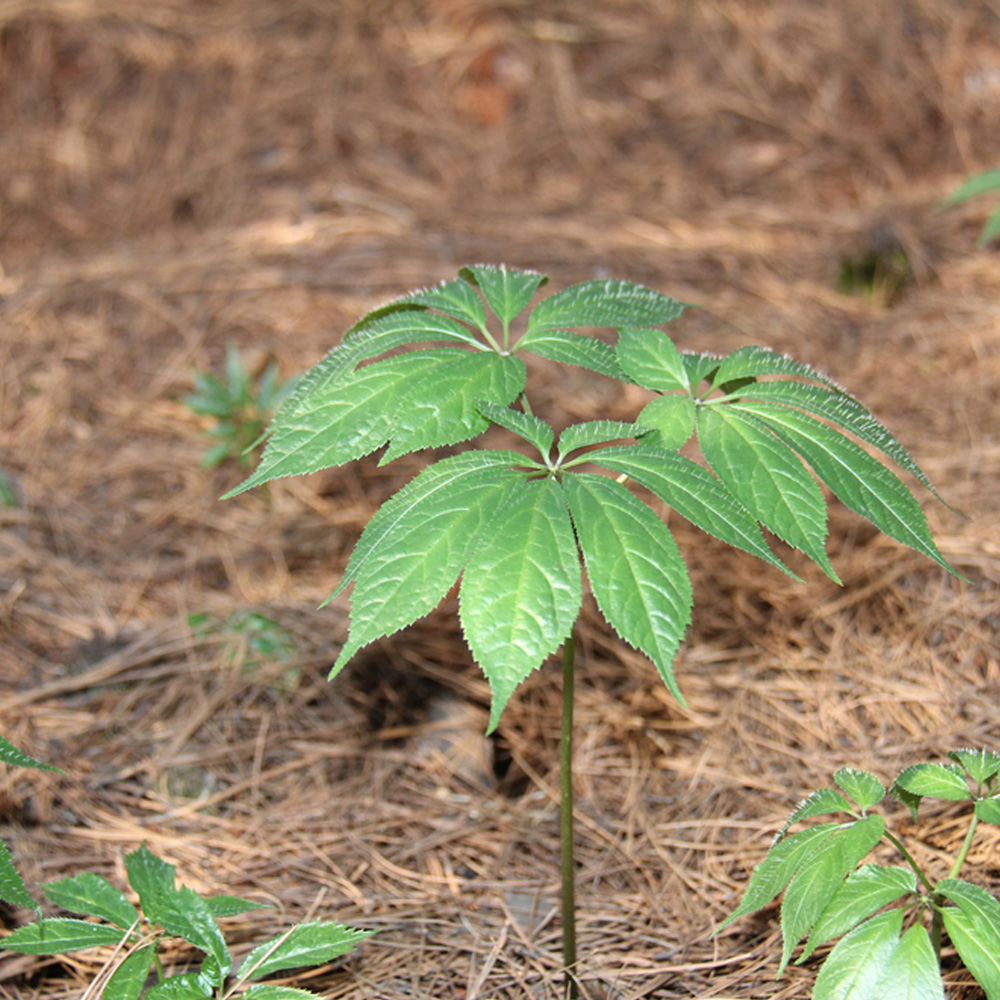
(966, 844)
(898, 844)
(566, 823)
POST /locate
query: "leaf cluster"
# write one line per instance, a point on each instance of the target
(979, 184)
(239, 407)
(179, 912)
(829, 893)
(437, 367)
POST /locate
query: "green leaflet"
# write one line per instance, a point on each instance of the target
(521, 590)
(574, 349)
(525, 425)
(981, 765)
(700, 367)
(506, 290)
(10, 754)
(92, 896)
(767, 477)
(185, 986)
(415, 546)
(782, 861)
(853, 969)
(456, 298)
(693, 492)
(306, 944)
(604, 303)
(128, 980)
(752, 362)
(911, 971)
(671, 420)
(865, 892)
(862, 786)
(232, 906)
(861, 482)
(972, 900)
(58, 935)
(978, 945)
(12, 887)
(267, 991)
(650, 359)
(440, 407)
(636, 573)
(590, 432)
(939, 781)
(988, 810)
(841, 409)
(819, 803)
(814, 885)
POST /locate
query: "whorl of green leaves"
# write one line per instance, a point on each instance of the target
(439, 366)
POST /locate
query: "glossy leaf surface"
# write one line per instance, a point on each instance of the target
(310, 943)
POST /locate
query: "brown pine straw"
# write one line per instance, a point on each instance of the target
(181, 176)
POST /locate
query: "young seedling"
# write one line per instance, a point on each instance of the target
(514, 524)
(240, 410)
(827, 895)
(983, 183)
(172, 912)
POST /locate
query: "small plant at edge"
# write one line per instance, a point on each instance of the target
(827, 895)
(984, 183)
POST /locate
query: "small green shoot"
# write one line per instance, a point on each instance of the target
(985, 183)
(238, 407)
(169, 911)
(250, 640)
(829, 894)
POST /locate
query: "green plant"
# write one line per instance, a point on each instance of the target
(513, 525)
(239, 408)
(827, 895)
(250, 640)
(984, 183)
(169, 911)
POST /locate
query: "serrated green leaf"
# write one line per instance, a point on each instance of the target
(815, 884)
(456, 298)
(981, 765)
(862, 786)
(991, 230)
(983, 183)
(590, 432)
(783, 860)
(637, 575)
(978, 945)
(865, 892)
(693, 492)
(439, 408)
(912, 971)
(973, 900)
(853, 969)
(753, 361)
(12, 887)
(311, 943)
(506, 290)
(574, 349)
(415, 546)
(937, 781)
(10, 754)
(58, 935)
(92, 896)
(767, 477)
(819, 803)
(604, 303)
(911, 801)
(650, 359)
(525, 425)
(129, 979)
(671, 419)
(184, 986)
(266, 991)
(842, 409)
(988, 810)
(521, 590)
(860, 481)
(233, 906)
(151, 877)
(700, 367)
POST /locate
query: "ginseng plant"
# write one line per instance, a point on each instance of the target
(513, 524)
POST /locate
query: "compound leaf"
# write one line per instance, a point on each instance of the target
(862, 786)
(861, 482)
(415, 546)
(574, 349)
(912, 971)
(521, 590)
(593, 432)
(783, 860)
(92, 896)
(693, 492)
(865, 892)
(671, 419)
(978, 945)
(767, 477)
(604, 303)
(310, 943)
(506, 290)
(439, 408)
(525, 425)
(58, 935)
(10, 754)
(637, 576)
(128, 980)
(814, 885)
(650, 359)
(981, 765)
(938, 781)
(12, 887)
(854, 967)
